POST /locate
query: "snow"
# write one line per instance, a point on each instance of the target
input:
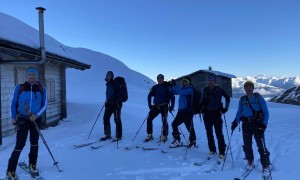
(86, 91)
(108, 162)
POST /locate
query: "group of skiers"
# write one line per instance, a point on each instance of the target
(252, 111)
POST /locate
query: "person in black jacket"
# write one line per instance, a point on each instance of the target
(112, 106)
(162, 96)
(212, 109)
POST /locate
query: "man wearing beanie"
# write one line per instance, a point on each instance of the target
(33, 95)
(185, 112)
(162, 97)
(212, 108)
(112, 106)
(254, 114)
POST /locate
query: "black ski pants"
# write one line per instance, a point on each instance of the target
(187, 119)
(154, 111)
(116, 110)
(214, 119)
(22, 133)
(249, 130)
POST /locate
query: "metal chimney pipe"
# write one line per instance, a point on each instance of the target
(42, 34)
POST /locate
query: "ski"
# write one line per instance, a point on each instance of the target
(205, 161)
(84, 144)
(161, 148)
(101, 145)
(216, 167)
(137, 146)
(25, 167)
(246, 173)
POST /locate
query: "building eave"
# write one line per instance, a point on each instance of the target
(34, 55)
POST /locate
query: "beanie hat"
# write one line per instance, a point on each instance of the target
(249, 83)
(211, 77)
(110, 73)
(32, 70)
(187, 79)
(160, 76)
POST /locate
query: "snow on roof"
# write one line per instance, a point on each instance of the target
(16, 31)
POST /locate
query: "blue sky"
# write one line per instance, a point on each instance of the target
(177, 37)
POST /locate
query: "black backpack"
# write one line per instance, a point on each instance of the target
(122, 94)
(196, 101)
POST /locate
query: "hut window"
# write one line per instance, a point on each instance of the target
(51, 90)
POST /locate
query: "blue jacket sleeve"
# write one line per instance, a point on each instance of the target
(264, 109)
(179, 91)
(239, 112)
(13, 105)
(44, 102)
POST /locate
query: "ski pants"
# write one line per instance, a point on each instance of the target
(250, 130)
(214, 119)
(187, 119)
(22, 133)
(116, 110)
(154, 111)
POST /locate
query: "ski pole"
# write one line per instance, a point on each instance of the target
(227, 152)
(40, 133)
(96, 120)
(266, 151)
(180, 130)
(140, 127)
(228, 141)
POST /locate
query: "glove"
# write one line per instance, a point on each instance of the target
(233, 125)
(171, 109)
(262, 127)
(224, 110)
(150, 106)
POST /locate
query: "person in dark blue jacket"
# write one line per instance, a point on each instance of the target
(185, 112)
(112, 106)
(33, 95)
(162, 97)
(212, 109)
(254, 114)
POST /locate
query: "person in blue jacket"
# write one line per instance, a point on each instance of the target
(185, 111)
(31, 95)
(254, 114)
(162, 96)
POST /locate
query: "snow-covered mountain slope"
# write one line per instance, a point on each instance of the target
(290, 96)
(268, 86)
(12, 29)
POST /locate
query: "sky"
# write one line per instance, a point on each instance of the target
(176, 37)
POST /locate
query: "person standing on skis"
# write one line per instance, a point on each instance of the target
(212, 109)
(162, 96)
(30, 95)
(254, 114)
(185, 111)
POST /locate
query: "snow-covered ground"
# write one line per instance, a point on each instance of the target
(110, 162)
(85, 94)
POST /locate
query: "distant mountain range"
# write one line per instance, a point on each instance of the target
(268, 86)
(290, 96)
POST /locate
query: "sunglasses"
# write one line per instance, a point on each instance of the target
(186, 80)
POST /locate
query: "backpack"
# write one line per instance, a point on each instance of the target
(22, 87)
(122, 93)
(196, 101)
